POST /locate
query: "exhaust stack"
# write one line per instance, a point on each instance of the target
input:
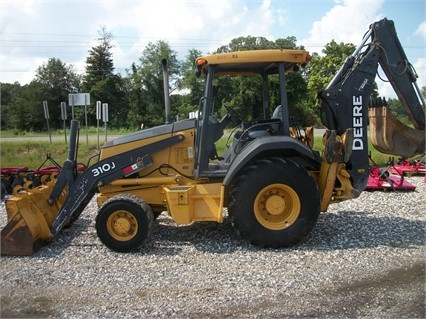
(166, 90)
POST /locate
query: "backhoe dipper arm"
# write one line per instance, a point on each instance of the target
(399, 71)
(345, 100)
(102, 173)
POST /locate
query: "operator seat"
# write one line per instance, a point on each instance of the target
(261, 128)
(278, 113)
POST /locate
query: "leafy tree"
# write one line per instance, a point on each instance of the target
(189, 80)
(99, 63)
(297, 96)
(151, 83)
(242, 93)
(56, 80)
(9, 91)
(26, 111)
(396, 108)
(322, 69)
(22, 106)
(102, 84)
(287, 43)
(246, 43)
(134, 97)
(111, 90)
(189, 88)
(258, 43)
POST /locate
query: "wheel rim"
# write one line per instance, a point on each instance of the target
(277, 206)
(122, 225)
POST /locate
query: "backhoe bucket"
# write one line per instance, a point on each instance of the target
(29, 220)
(388, 135)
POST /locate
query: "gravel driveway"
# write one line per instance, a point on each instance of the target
(365, 258)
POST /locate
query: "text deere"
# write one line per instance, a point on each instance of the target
(358, 143)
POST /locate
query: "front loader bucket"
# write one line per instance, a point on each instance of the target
(29, 220)
(388, 135)
(32, 211)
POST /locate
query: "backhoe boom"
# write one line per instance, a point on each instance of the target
(346, 101)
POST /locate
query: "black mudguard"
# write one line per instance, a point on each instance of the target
(281, 146)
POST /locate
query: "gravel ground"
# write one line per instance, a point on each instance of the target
(365, 259)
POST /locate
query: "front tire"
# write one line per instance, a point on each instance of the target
(124, 223)
(274, 203)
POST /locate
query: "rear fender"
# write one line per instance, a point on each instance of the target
(283, 146)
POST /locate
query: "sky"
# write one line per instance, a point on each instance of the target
(32, 31)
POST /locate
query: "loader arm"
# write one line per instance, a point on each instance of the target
(345, 101)
(104, 172)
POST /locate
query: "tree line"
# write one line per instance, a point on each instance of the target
(138, 96)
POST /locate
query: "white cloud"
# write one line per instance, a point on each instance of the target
(22, 71)
(346, 22)
(385, 88)
(421, 30)
(420, 66)
(38, 30)
(35, 30)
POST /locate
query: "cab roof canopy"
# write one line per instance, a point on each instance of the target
(252, 62)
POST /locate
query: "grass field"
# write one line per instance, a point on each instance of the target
(33, 153)
(91, 131)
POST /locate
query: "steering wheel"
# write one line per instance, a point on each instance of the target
(233, 112)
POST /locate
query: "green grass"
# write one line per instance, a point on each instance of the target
(91, 130)
(33, 153)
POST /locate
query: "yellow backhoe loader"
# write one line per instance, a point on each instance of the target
(273, 184)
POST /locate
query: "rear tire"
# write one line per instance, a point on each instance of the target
(274, 203)
(124, 223)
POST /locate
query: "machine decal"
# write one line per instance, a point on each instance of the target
(103, 169)
(190, 152)
(140, 164)
(358, 143)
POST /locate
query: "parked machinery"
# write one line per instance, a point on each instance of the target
(272, 182)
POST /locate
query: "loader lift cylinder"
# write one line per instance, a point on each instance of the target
(72, 148)
(68, 172)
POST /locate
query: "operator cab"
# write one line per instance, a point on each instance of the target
(270, 66)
